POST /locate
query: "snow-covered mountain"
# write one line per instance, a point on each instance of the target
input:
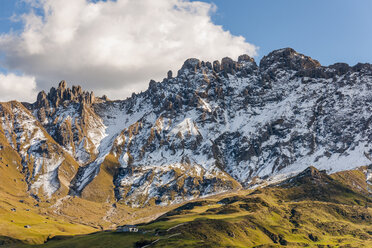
(212, 128)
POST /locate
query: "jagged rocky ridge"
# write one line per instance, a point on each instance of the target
(212, 128)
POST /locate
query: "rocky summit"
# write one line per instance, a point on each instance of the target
(215, 127)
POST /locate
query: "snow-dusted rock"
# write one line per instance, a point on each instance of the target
(215, 127)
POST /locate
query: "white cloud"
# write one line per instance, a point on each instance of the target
(115, 47)
(13, 87)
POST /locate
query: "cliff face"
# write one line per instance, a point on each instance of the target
(214, 127)
(45, 165)
(68, 116)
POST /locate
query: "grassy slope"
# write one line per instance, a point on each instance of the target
(73, 216)
(314, 210)
(12, 223)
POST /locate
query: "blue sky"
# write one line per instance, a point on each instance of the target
(328, 30)
(116, 47)
(7, 9)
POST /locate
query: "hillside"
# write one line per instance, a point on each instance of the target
(312, 209)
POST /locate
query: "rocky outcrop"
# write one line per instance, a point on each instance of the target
(69, 117)
(170, 74)
(58, 96)
(245, 58)
(288, 59)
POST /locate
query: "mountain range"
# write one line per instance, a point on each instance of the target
(212, 128)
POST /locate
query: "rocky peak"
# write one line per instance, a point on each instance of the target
(245, 58)
(216, 66)
(363, 67)
(191, 64)
(56, 97)
(311, 172)
(228, 65)
(225, 66)
(62, 85)
(42, 100)
(170, 75)
(287, 58)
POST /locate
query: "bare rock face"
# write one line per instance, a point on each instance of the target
(287, 59)
(105, 98)
(170, 75)
(191, 65)
(228, 65)
(245, 58)
(217, 66)
(58, 96)
(42, 100)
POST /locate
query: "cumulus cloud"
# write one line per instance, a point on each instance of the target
(115, 47)
(14, 87)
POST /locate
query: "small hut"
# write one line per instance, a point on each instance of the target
(127, 228)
